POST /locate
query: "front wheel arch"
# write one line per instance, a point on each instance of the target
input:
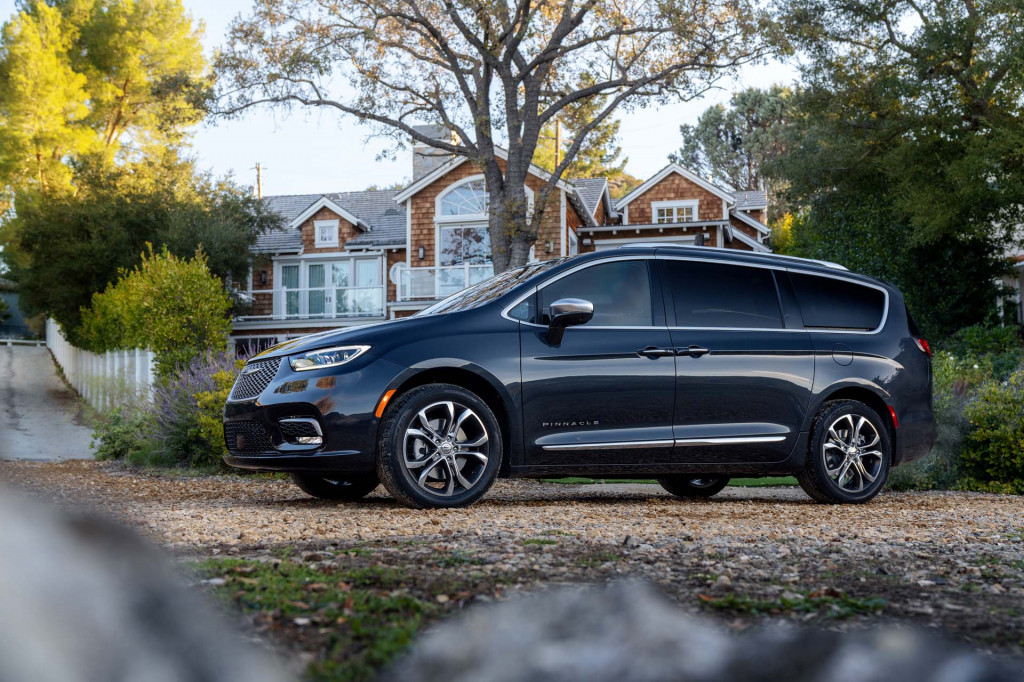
(473, 382)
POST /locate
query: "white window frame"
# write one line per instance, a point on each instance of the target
(674, 206)
(317, 224)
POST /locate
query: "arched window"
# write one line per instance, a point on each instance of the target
(467, 199)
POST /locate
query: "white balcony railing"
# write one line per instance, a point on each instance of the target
(435, 283)
(316, 303)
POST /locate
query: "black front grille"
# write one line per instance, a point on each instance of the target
(248, 438)
(255, 378)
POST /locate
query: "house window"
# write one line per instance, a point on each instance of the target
(464, 244)
(469, 198)
(326, 232)
(666, 212)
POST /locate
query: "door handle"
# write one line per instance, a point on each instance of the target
(693, 351)
(655, 352)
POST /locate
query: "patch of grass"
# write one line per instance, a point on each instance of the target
(828, 603)
(582, 480)
(739, 482)
(459, 558)
(540, 541)
(767, 481)
(357, 620)
(597, 559)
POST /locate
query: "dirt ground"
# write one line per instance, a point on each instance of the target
(950, 561)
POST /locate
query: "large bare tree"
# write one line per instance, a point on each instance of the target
(493, 72)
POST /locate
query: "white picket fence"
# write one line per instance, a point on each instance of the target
(104, 380)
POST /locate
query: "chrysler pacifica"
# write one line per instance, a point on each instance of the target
(688, 365)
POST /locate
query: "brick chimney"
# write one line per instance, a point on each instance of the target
(426, 158)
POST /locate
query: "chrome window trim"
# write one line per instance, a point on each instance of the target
(677, 442)
(823, 330)
(581, 266)
(812, 330)
(666, 256)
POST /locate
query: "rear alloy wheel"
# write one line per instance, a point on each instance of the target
(341, 487)
(440, 446)
(850, 454)
(693, 487)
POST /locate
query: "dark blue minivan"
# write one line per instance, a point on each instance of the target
(686, 364)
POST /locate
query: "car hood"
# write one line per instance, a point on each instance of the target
(364, 334)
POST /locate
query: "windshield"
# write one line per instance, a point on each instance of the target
(487, 290)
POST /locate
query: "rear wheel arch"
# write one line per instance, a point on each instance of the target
(860, 394)
(477, 384)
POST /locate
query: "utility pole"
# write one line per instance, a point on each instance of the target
(558, 141)
(259, 180)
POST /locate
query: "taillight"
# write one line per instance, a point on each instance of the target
(923, 345)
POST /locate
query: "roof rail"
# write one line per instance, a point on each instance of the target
(776, 256)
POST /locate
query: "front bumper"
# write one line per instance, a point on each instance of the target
(341, 400)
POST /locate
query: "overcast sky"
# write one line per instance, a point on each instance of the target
(309, 152)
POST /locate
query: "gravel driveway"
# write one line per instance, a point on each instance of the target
(949, 560)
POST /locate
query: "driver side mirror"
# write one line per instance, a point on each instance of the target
(567, 312)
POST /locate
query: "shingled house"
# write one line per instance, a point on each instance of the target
(350, 258)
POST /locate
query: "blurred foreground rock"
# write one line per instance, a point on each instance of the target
(628, 632)
(85, 600)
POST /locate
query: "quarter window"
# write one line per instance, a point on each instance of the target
(829, 303)
(718, 295)
(619, 290)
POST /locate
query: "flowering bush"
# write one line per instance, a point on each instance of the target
(178, 429)
(182, 426)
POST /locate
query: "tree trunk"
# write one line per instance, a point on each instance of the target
(509, 226)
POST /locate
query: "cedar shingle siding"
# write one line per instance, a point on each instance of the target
(675, 188)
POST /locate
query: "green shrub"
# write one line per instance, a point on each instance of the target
(993, 458)
(210, 409)
(172, 306)
(117, 435)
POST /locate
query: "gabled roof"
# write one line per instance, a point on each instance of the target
(679, 170)
(751, 200)
(375, 211)
(445, 168)
(592, 191)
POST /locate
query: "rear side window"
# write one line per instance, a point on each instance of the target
(620, 292)
(720, 295)
(828, 303)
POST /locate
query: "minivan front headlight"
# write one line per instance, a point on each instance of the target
(326, 357)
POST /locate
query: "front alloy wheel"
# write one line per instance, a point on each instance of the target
(440, 447)
(851, 451)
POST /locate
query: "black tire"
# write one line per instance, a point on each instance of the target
(827, 454)
(690, 487)
(474, 449)
(341, 487)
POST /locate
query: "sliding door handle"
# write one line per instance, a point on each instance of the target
(655, 352)
(693, 351)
